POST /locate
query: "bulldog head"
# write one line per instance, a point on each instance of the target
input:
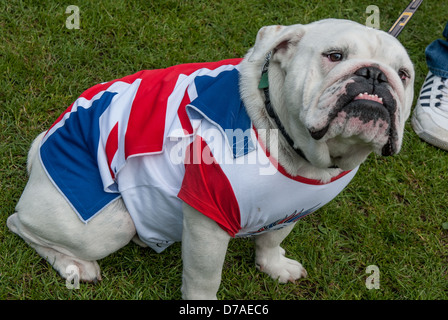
(340, 89)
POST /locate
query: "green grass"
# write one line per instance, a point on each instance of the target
(391, 214)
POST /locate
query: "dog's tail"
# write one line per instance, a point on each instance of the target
(34, 151)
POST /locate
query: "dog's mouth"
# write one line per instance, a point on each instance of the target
(366, 112)
(370, 97)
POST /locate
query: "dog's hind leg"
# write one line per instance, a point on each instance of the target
(88, 270)
(46, 221)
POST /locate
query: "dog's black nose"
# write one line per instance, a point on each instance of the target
(373, 74)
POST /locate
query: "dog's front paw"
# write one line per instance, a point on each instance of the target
(275, 264)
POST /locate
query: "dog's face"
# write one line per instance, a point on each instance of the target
(345, 90)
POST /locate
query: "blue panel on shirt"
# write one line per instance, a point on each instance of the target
(219, 100)
(70, 157)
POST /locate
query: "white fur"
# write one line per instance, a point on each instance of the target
(45, 220)
(298, 79)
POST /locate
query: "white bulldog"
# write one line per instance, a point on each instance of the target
(336, 91)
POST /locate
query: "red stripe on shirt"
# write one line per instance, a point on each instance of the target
(93, 91)
(207, 189)
(182, 114)
(146, 126)
(282, 170)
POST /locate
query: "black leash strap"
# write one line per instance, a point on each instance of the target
(404, 18)
(264, 85)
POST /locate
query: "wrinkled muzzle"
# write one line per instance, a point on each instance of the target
(365, 110)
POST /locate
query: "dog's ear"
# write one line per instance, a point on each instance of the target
(278, 39)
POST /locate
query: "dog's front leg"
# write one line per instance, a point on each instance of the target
(204, 246)
(270, 257)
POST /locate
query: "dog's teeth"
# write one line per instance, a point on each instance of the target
(368, 96)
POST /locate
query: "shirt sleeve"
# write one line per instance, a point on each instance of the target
(206, 188)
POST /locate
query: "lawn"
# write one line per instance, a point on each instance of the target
(390, 216)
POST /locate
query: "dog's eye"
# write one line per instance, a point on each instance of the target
(335, 56)
(403, 74)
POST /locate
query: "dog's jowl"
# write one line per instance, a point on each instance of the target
(180, 154)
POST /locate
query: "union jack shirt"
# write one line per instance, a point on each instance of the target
(160, 137)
